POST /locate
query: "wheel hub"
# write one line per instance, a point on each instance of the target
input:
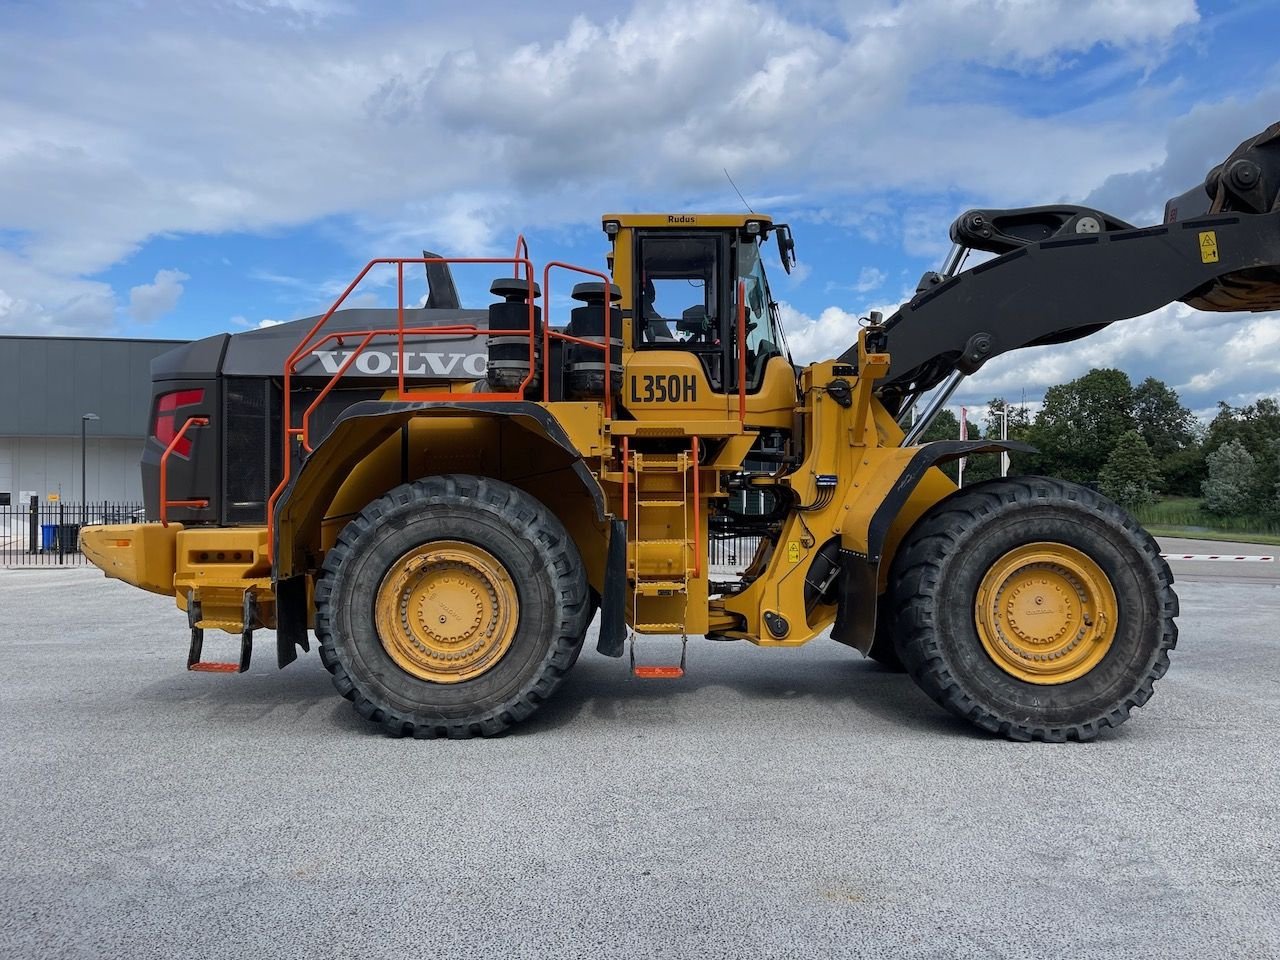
(446, 611)
(1046, 613)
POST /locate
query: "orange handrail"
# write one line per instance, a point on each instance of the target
(697, 553)
(626, 467)
(522, 253)
(516, 394)
(548, 333)
(165, 502)
(308, 343)
(742, 351)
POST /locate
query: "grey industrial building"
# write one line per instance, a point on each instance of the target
(48, 387)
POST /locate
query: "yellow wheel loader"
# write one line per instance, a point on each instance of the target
(447, 496)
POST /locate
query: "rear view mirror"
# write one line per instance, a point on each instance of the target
(786, 246)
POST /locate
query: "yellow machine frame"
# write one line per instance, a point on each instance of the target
(660, 468)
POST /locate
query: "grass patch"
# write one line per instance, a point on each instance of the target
(1268, 539)
(1186, 517)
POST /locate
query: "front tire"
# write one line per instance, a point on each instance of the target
(451, 607)
(1034, 608)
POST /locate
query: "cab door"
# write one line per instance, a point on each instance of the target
(679, 362)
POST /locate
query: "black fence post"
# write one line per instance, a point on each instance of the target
(34, 524)
(61, 522)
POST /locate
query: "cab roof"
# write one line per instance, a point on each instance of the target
(685, 220)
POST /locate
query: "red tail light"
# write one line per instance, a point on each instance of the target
(169, 420)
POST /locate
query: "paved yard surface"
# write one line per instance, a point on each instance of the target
(774, 804)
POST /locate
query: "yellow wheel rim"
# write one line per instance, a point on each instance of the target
(447, 611)
(1046, 613)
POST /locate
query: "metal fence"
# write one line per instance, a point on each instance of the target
(733, 551)
(48, 534)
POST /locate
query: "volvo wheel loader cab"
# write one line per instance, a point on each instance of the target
(447, 496)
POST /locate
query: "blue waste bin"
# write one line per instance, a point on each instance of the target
(48, 535)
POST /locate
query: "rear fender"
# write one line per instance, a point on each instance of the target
(341, 464)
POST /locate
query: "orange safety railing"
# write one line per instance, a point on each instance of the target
(626, 468)
(522, 253)
(461, 329)
(165, 502)
(742, 351)
(310, 343)
(548, 334)
(313, 341)
(697, 513)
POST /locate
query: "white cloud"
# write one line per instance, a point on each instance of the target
(828, 335)
(150, 301)
(871, 278)
(37, 300)
(247, 115)
(1206, 357)
(241, 321)
(1194, 144)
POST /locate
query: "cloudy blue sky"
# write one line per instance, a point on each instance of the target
(179, 169)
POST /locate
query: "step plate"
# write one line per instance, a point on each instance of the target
(642, 672)
(207, 666)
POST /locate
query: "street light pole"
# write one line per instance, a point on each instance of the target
(1004, 435)
(84, 491)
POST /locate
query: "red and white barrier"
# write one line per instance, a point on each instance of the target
(1215, 556)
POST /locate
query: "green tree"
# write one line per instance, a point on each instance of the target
(1230, 488)
(945, 426)
(1131, 475)
(1080, 424)
(1019, 419)
(1255, 427)
(1163, 421)
(1173, 434)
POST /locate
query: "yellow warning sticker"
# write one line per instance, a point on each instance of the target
(1209, 246)
(793, 551)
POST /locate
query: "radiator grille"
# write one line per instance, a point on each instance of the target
(251, 447)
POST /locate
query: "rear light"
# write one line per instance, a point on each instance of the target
(169, 421)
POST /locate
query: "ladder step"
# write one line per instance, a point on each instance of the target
(660, 588)
(208, 666)
(653, 671)
(643, 672)
(660, 503)
(660, 627)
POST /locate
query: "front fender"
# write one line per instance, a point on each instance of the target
(869, 512)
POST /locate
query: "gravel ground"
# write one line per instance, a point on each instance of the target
(800, 803)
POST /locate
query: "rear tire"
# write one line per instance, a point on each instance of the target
(490, 548)
(1034, 608)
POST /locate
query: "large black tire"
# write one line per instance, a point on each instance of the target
(538, 555)
(935, 581)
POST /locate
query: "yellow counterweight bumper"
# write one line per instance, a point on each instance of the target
(143, 554)
(214, 565)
